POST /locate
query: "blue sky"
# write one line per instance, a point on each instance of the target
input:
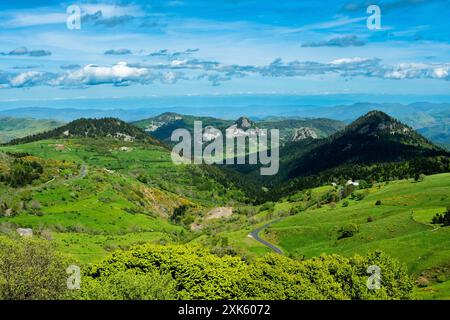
(228, 47)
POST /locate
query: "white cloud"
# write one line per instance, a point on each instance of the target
(122, 74)
(417, 71)
(29, 78)
(93, 74)
(349, 60)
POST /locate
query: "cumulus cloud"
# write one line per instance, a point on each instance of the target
(118, 74)
(123, 74)
(215, 78)
(418, 71)
(23, 51)
(30, 79)
(117, 52)
(342, 42)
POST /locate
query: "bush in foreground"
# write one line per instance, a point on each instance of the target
(129, 285)
(31, 270)
(201, 275)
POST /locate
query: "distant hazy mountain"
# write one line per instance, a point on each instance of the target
(70, 114)
(12, 128)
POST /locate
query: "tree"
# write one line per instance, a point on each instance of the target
(442, 218)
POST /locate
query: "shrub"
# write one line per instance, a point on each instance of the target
(268, 206)
(129, 285)
(370, 219)
(423, 282)
(419, 177)
(30, 269)
(199, 274)
(378, 203)
(348, 231)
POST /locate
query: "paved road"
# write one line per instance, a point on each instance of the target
(255, 235)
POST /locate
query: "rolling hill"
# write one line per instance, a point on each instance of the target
(13, 128)
(92, 128)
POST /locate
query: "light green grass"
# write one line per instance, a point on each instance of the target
(88, 248)
(401, 225)
(440, 291)
(139, 159)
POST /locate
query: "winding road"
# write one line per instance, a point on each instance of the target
(255, 235)
(83, 173)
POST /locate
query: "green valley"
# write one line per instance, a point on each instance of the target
(107, 196)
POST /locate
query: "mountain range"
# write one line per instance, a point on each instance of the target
(430, 119)
(162, 126)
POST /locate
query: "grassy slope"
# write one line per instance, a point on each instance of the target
(240, 238)
(12, 128)
(439, 291)
(106, 209)
(153, 161)
(89, 216)
(400, 225)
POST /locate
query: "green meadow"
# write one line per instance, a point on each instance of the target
(149, 163)
(400, 225)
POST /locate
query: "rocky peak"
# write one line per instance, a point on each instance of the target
(304, 133)
(243, 123)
